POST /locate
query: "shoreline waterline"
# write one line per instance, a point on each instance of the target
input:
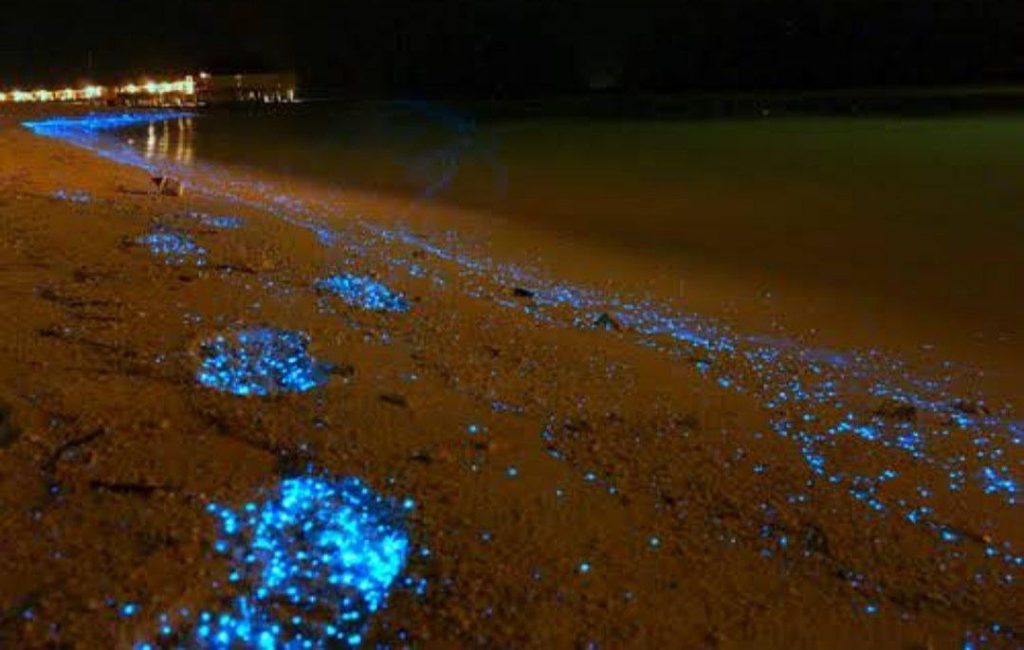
(910, 219)
(647, 316)
(838, 416)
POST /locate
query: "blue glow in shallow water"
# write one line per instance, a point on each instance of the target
(71, 126)
(364, 292)
(306, 568)
(260, 361)
(175, 247)
(93, 131)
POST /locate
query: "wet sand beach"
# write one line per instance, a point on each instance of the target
(569, 450)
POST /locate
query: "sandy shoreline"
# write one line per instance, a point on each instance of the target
(574, 485)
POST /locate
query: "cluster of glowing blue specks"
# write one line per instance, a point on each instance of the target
(220, 222)
(260, 361)
(175, 247)
(363, 292)
(306, 569)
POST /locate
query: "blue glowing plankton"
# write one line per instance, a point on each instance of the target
(260, 361)
(307, 568)
(175, 247)
(222, 222)
(95, 122)
(363, 292)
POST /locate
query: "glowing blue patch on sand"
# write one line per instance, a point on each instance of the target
(176, 247)
(364, 292)
(260, 361)
(307, 568)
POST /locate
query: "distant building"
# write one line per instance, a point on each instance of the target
(181, 92)
(274, 88)
(270, 88)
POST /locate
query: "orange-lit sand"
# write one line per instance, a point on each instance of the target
(109, 449)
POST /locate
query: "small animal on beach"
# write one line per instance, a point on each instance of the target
(168, 186)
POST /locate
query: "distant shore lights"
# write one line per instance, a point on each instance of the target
(185, 88)
(199, 90)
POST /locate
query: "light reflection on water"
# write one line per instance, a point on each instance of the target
(171, 140)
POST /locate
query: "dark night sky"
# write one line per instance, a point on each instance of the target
(523, 46)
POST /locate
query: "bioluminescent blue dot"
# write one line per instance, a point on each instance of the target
(948, 535)
(129, 609)
(175, 247)
(512, 471)
(309, 566)
(260, 362)
(363, 292)
(584, 567)
(654, 541)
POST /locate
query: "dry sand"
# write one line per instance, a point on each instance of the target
(699, 526)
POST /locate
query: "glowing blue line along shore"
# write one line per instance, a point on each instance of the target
(70, 127)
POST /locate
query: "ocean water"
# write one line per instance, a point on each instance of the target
(921, 211)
